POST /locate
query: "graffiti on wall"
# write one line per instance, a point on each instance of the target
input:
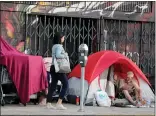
(13, 18)
(12, 25)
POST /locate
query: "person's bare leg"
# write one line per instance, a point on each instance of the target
(59, 101)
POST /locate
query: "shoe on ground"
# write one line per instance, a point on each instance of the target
(49, 106)
(60, 107)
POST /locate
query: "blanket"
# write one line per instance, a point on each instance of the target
(27, 72)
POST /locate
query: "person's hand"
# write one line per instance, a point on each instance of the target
(136, 103)
(140, 103)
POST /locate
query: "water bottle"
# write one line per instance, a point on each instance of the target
(26, 51)
(148, 103)
(152, 106)
(94, 102)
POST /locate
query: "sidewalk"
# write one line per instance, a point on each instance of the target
(73, 110)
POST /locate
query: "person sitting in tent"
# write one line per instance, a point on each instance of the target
(129, 87)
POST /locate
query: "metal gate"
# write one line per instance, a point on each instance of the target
(134, 39)
(41, 29)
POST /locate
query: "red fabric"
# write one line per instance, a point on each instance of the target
(27, 72)
(100, 61)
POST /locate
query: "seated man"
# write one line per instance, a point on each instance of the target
(129, 87)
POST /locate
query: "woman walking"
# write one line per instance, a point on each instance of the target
(59, 53)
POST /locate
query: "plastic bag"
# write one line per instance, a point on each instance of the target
(102, 99)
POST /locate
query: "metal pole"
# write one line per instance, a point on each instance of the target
(82, 89)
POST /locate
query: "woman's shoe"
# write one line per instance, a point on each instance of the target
(49, 106)
(60, 107)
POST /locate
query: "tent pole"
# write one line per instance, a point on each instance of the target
(82, 90)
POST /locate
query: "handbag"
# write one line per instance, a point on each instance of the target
(62, 65)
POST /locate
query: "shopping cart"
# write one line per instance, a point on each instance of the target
(5, 80)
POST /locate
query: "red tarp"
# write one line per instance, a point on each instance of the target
(27, 72)
(100, 61)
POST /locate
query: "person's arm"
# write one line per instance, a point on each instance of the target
(125, 91)
(59, 53)
(136, 94)
(137, 90)
(129, 98)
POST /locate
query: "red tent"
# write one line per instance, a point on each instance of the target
(27, 72)
(99, 74)
(100, 61)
